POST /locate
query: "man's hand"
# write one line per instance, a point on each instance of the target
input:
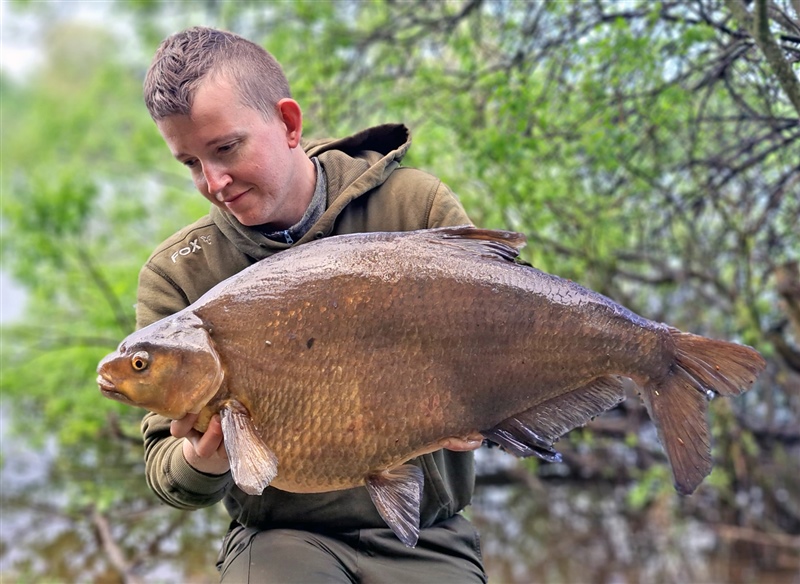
(466, 444)
(203, 451)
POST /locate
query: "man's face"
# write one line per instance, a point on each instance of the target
(239, 161)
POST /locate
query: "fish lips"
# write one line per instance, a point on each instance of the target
(108, 389)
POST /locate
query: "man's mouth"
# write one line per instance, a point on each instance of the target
(228, 200)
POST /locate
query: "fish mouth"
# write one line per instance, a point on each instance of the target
(109, 390)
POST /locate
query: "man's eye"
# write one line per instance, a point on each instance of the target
(226, 148)
(190, 163)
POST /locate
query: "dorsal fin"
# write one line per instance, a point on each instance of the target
(490, 243)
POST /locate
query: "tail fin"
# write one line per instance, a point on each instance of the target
(677, 403)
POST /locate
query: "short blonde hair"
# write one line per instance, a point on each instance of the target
(186, 58)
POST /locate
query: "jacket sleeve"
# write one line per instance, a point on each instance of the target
(168, 474)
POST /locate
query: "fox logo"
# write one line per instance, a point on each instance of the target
(193, 247)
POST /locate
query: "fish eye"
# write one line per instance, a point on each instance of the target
(140, 361)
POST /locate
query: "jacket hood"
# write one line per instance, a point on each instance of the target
(353, 166)
(385, 139)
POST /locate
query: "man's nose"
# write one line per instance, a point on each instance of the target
(216, 179)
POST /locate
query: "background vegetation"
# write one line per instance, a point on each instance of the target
(649, 150)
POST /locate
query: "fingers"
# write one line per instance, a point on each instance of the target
(205, 451)
(210, 442)
(182, 427)
(472, 442)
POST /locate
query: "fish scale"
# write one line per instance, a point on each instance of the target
(334, 363)
(353, 463)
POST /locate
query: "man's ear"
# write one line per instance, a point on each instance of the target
(292, 117)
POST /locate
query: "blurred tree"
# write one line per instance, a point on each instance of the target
(85, 192)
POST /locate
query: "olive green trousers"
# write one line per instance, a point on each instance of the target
(448, 552)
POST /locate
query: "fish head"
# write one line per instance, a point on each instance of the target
(170, 367)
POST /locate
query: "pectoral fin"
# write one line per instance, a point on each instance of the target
(253, 464)
(396, 494)
(534, 431)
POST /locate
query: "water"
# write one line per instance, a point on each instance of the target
(552, 530)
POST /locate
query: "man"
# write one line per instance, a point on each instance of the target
(224, 109)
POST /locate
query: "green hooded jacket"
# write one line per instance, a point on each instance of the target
(367, 191)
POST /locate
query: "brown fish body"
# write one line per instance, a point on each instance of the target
(387, 355)
(356, 353)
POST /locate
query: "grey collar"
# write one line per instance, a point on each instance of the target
(315, 210)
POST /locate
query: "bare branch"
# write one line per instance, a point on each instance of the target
(113, 552)
(758, 27)
(788, 286)
(736, 532)
(123, 319)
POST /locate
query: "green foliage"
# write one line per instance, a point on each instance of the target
(80, 213)
(654, 483)
(719, 479)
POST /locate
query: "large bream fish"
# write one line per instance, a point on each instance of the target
(334, 363)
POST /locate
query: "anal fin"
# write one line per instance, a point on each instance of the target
(253, 464)
(533, 432)
(397, 494)
(514, 435)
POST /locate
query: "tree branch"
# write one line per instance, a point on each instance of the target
(737, 532)
(758, 27)
(787, 279)
(124, 321)
(114, 553)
